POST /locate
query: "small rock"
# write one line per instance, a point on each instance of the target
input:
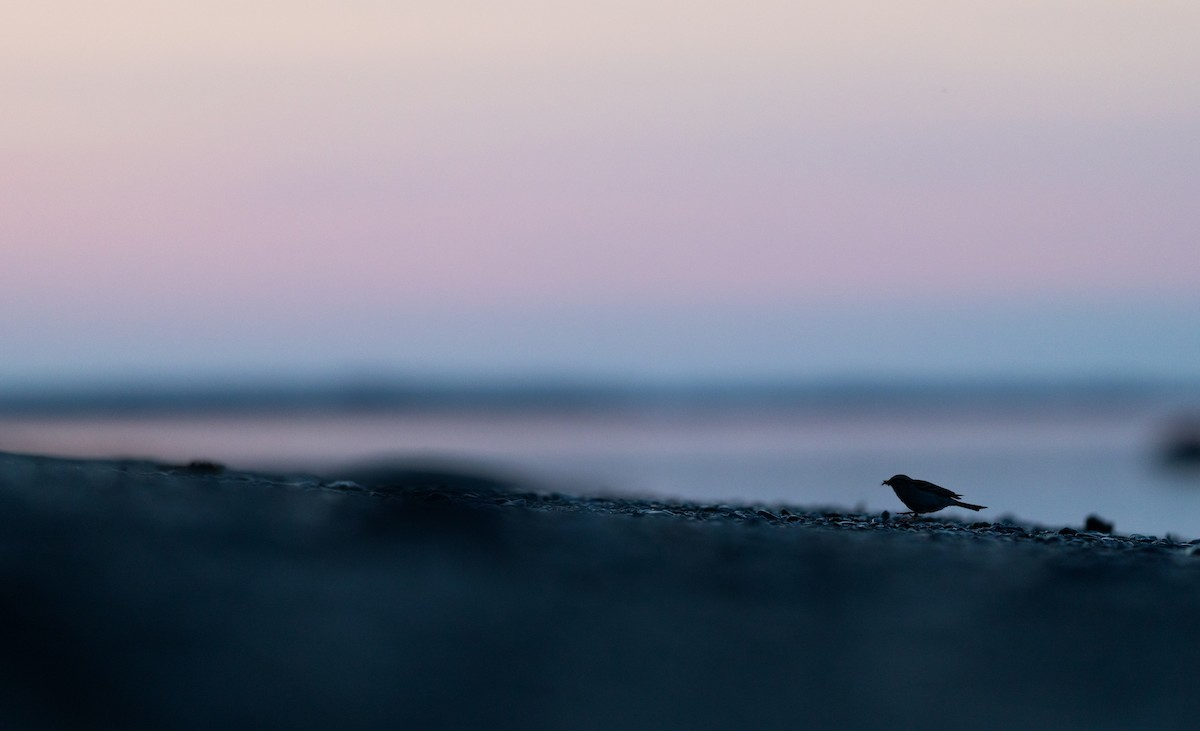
(1098, 524)
(1067, 531)
(767, 514)
(885, 516)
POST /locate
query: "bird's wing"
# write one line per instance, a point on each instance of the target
(936, 489)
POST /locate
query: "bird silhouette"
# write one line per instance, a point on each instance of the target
(920, 496)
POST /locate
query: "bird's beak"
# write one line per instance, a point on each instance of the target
(883, 483)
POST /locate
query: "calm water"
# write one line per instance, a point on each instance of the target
(1050, 461)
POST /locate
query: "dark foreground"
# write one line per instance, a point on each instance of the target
(133, 595)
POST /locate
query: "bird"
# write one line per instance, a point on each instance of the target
(920, 496)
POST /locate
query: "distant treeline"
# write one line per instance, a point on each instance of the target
(559, 396)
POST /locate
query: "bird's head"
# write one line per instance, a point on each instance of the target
(891, 481)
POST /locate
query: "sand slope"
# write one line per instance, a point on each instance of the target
(137, 596)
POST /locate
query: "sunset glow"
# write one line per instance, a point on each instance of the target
(320, 185)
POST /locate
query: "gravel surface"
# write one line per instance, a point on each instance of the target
(140, 595)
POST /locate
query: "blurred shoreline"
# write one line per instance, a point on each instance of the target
(1049, 452)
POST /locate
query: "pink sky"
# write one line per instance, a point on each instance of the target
(322, 172)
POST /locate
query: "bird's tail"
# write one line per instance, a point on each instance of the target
(969, 506)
